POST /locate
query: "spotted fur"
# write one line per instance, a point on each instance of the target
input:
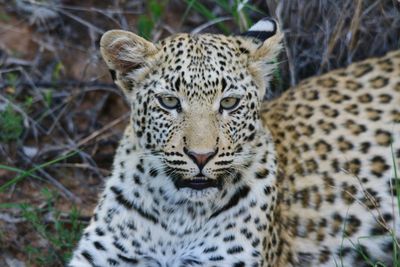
(279, 180)
(334, 137)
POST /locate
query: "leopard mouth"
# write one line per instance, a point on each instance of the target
(198, 183)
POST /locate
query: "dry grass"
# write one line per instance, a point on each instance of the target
(324, 35)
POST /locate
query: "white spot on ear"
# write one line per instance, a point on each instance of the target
(264, 25)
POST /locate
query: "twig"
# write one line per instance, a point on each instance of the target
(83, 22)
(104, 172)
(102, 130)
(292, 71)
(64, 191)
(209, 24)
(10, 219)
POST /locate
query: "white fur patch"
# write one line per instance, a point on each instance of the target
(264, 25)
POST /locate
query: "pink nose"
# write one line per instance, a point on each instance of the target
(200, 159)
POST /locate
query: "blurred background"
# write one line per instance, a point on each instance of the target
(61, 116)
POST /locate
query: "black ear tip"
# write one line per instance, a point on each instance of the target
(263, 29)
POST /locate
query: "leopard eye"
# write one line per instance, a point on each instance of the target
(229, 103)
(169, 102)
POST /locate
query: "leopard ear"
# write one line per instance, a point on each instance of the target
(127, 55)
(262, 30)
(263, 42)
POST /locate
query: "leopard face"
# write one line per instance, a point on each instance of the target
(195, 104)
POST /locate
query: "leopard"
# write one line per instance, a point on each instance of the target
(208, 173)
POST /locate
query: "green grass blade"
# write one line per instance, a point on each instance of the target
(396, 178)
(396, 256)
(205, 12)
(30, 172)
(22, 172)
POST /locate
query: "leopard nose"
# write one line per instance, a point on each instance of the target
(200, 159)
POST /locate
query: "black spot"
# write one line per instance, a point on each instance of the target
(153, 172)
(216, 258)
(251, 127)
(239, 194)
(255, 242)
(210, 249)
(120, 247)
(190, 262)
(98, 245)
(239, 264)
(378, 230)
(343, 251)
(113, 74)
(137, 179)
(135, 244)
(262, 174)
(128, 260)
(120, 198)
(223, 83)
(264, 207)
(246, 233)
(364, 147)
(99, 232)
(87, 256)
(244, 50)
(148, 137)
(112, 262)
(177, 84)
(230, 226)
(362, 254)
(267, 190)
(140, 168)
(229, 238)
(235, 250)
(251, 137)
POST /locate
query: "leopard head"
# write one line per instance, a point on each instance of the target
(195, 101)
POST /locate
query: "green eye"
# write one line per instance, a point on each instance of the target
(229, 103)
(169, 102)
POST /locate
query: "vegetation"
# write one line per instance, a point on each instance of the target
(10, 125)
(58, 231)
